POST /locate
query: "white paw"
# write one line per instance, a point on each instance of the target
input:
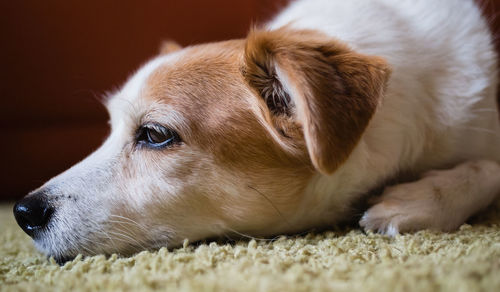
(440, 200)
(403, 208)
(380, 221)
(384, 220)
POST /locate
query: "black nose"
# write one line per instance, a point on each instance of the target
(33, 213)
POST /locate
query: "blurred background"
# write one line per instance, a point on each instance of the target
(59, 57)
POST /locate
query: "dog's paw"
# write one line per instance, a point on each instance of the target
(380, 219)
(402, 208)
(391, 218)
(441, 200)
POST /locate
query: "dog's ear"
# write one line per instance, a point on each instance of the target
(169, 46)
(319, 84)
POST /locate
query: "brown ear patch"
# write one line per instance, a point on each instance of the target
(334, 90)
(261, 74)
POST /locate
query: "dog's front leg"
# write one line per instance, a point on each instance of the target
(440, 200)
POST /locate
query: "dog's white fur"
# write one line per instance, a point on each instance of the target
(439, 108)
(438, 112)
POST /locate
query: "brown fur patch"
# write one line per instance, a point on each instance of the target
(227, 127)
(335, 90)
(205, 86)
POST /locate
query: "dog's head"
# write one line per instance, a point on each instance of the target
(209, 140)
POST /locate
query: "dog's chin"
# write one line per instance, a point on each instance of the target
(57, 254)
(63, 254)
(59, 247)
(64, 241)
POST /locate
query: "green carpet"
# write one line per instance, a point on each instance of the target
(466, 260)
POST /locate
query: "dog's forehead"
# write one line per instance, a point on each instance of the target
(125, 106)
(197, 73)
(182, 79)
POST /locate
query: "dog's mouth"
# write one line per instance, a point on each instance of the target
(61, 260)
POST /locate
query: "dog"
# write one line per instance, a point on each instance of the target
(286, 130)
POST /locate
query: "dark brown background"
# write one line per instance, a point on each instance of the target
(59, 57)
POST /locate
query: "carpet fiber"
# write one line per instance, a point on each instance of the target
(344, 260)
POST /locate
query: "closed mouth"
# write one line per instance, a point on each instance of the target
(61, 260)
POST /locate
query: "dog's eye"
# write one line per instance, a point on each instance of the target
(156, 136)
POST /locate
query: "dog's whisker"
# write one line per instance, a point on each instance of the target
(121, 223)
(272, 204)
(129, 221)
(126, 235)
(90, 252)
(111, 240)
(125, 223)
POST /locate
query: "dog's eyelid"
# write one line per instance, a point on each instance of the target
(156, 127)
(159, 126)
(156, 136)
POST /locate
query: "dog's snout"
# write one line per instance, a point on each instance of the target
(33, 213)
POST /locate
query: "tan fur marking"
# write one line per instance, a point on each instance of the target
(206, 87)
